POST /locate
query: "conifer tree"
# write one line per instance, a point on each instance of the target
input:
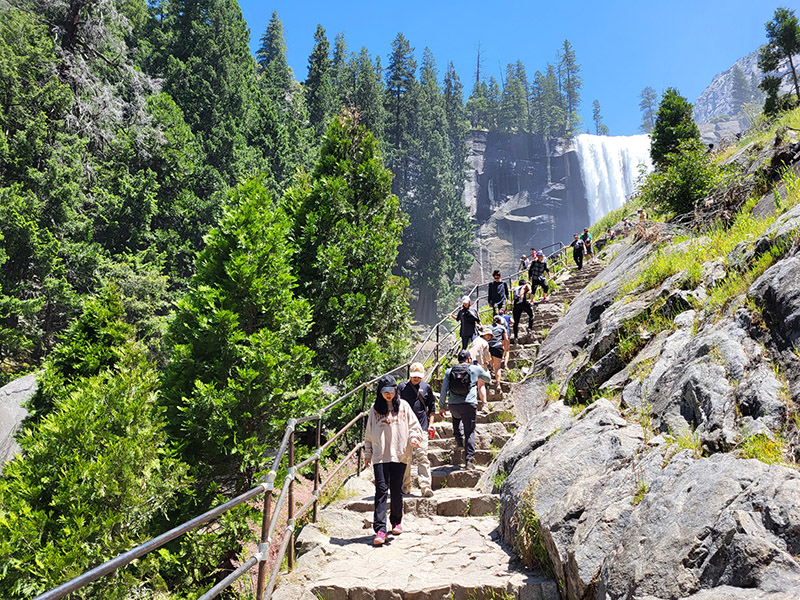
(342, 74)
(599, 127)
(514, 100)
(347, 225)
(494, 96)
(478, 106)
(674, 124)
(783, 35)
(649, 107)
(740, 90)
(320, 93)
(400, 103)
(572, 84)
(237, 369)
(271, 57)
(457, 123)
(368, 93)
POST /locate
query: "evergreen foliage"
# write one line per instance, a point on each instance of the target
(674, 124)
(599, 127)
(648, 105)
(685, 177)
(347, 226)
(783, 35)
(271, 57)
(237, 370)
(401, 106)
(94, 479)
(320, 93)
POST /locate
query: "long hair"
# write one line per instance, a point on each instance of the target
(381, 405)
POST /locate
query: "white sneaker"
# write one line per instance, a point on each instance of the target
(427, 492)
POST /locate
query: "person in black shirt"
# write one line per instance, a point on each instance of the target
(578, 251)
(420, 396)
(468, 317)
(537, 272)
(498, 293)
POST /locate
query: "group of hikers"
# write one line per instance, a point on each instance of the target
(399, 424)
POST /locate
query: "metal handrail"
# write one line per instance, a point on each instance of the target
(270, 517)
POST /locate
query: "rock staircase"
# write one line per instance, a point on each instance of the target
(450, 549)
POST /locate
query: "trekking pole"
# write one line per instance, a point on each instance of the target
(437, 351)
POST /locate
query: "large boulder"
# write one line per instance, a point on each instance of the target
(715, 522)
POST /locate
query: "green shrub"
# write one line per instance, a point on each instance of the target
(529, 543)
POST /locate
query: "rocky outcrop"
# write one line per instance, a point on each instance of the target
(643, 494)
(12, 412)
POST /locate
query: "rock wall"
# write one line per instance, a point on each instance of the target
(523, 191)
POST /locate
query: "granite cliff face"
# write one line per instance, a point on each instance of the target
(523, 191)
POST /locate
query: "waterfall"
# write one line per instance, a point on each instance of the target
(610, 168)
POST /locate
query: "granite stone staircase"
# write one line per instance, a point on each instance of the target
(449, 549)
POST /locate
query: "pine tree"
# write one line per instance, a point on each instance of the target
(368, 93)
(271, 57)
(494, 97)
(478, 106)
(783, 35)
(437, 241)
(514, 100)
(674, 124)
(572, 83)
(347, 225)
(648, 106)
(740, 90)
(320, 93)
(599, 127)
(401, 104)
(342, 73)
(457, 123)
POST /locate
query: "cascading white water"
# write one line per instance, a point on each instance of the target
(610, 168)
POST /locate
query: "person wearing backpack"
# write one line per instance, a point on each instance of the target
(391, 430)
(578, 249)
(419, 396)
(537, 272)
(587, 241)
(497, 346)
(522, 306)
(460, 388)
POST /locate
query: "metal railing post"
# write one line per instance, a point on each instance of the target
(263, 547)
(437, 351)
(290, 514)
(361, 428)
(316, 470)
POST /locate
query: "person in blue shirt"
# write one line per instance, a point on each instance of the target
(461, 387)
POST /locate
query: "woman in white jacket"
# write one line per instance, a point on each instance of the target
(392, 428)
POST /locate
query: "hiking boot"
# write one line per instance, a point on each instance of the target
(380, 538)
(397, 529)
(470, 464)
(427, 493)
(406, 491)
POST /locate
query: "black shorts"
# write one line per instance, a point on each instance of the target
(496, 352)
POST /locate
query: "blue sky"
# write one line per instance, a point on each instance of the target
(621, 45)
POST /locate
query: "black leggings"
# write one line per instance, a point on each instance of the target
(519, 309)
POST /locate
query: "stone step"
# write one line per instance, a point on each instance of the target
(435, 558)
(441, 457)
(453, 476)
(446, 502)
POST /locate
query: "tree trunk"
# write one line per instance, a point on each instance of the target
(794, 78)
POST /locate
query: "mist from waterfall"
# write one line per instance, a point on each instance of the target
(610, 168)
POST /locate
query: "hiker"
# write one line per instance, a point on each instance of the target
(642, 215)
(419, 396)
(521, 305)
(468, 317)
(391, 430)
(460, 389)
(507, 321)
(497, 346)
(587, 241)
(578, 249)
(498, 292)
(537, 272)
(524, 263)
(479, 348)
